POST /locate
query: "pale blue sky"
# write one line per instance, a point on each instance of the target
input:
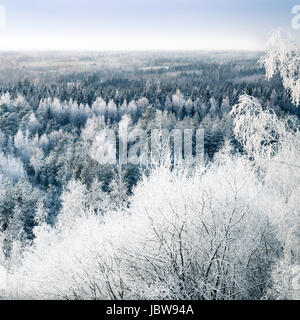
(142, 24)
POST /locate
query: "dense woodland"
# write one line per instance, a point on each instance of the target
(73, 228)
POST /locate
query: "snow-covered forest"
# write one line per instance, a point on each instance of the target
(73, 227)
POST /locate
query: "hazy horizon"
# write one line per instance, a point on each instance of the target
(132, 25)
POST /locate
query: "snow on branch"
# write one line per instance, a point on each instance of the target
(259, 130)
(283, 58)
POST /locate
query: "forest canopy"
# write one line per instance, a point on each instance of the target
(74, 227)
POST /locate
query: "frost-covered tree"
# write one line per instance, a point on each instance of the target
(112, 110)
(123, 109)
(103, 149)
(11, 168)
(272, 143)
(37, 160)
(14, 238)
(283, 58)
(92, 127)
(183, 237)
(261, 132)
(40, 214)
(21, 142)
(132, 108)
(98, 201)
(74, 204)
(178, 101)
(213, 110)
(118, 190)
(99, 107)
(225, 107)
